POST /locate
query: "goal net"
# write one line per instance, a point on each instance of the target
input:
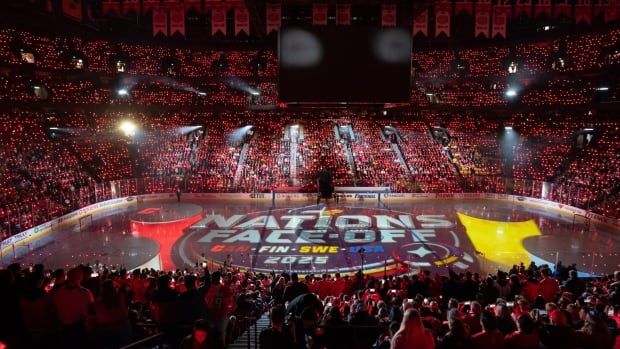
(581, 223)
(85, 222)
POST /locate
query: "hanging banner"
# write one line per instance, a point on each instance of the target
(500, 20)
(242, 20)
(442, 18)
(561, 8)
(583, 11)
(463, 6)
(131, 6)
(72, 9)
(218, 20)
(177, 20)
(420, 24)
(148, 5)
(274, 17)
(319, 14)
(111, 6)
(542, 7)
(388, 15)
(343, 14)
(193, 5)
(523, 7)
(609, 8)
(483, 19)
(160, 21)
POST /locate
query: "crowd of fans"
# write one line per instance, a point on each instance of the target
(98, 306)
(72, 163)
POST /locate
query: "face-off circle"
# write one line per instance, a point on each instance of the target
(324, 239)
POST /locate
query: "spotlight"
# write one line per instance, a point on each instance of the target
(508, 128)
(384, 112)
(202, 94)
(122, 92)
(53, 128)
(602, 88)
(128, 128)
(255, 93)
(511, 93)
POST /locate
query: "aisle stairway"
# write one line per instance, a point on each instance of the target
(251, 334)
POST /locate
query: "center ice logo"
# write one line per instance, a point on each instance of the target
(326, 239)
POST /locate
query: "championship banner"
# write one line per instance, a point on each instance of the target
(463, 6)
(193, 4)
(218, 20)
(483, 19)
(609, 8)
(177, 20)
(420, 24)
(160, 21)
(442, 18)
(109, 6)
(388, 15)
(542, 7)
(72, 9)
(131, 6)
(242, 20)
(561, 8)
(343, 14)
(147, 5)
(500, 20)
(583, 11)
(523, 7)
(319, 14)
(274, 17)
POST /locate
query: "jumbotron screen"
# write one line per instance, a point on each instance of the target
(344, 64)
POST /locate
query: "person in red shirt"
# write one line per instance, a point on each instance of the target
(220, 304)
(525, 337)
(472, 320)
(548, 287)
(73, 304)
(490, 337)
(338, 286)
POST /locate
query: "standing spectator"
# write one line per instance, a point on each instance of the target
(525, 337)
(458, 337)
(113, 326)
(296, 288)
(548, 286)
(220, 304)
(490, 337)
(73, 305)
(412, 333)
(191, 305)
(276, 337)
(574, 284)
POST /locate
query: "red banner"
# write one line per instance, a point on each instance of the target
(242, 20)
(500, 20)
(442, 18)
(583, 11)
(420, 23)
(561, 8)
(72, 9)
(319, 14)
(147, 5)
(483, 19)
(463, 6)
(523, 7)
(343, 14)
(177, 19)
(111, 6)
(193, 4)
(542, 7)
(609, 8)
(131, 6)
(388, 15)
(218, 20)
(274, 17)
(160, 21)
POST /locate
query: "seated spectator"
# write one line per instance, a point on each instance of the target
(277, 336)
(198, 338)
(412, 333)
